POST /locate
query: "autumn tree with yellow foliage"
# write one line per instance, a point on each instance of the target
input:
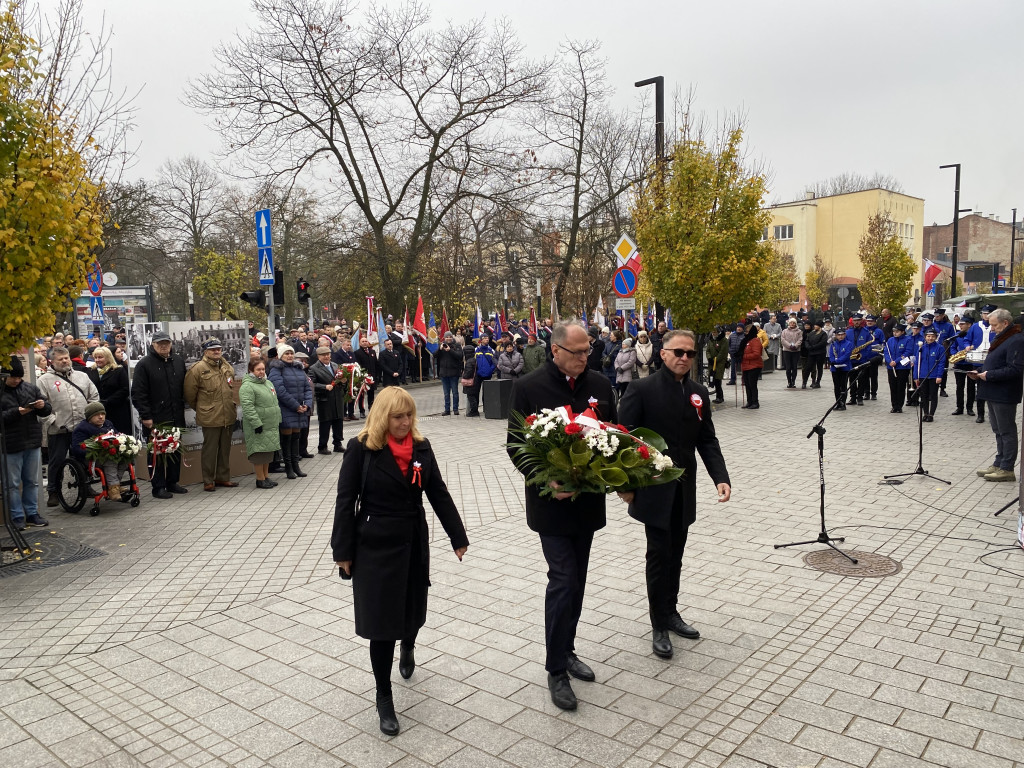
(51, 213)
(699, 229)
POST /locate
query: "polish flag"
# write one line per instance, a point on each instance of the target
(931, 271)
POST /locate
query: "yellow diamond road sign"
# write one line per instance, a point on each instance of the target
(624, 249)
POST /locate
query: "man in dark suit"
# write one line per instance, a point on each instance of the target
(330, 401)
(678, 409)
(366, 356)
(566, 527)
(390, 365)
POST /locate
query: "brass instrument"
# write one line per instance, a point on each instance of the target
(855, 355)
(956, 358)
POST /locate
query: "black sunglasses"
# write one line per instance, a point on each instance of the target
(690, 353)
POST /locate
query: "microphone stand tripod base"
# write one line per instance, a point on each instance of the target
(823, 538)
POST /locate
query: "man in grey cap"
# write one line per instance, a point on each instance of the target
(209, 389)
(330, 401)
(449, 368)
(158, 394)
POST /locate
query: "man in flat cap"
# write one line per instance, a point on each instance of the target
(158, 394)
(209, 389)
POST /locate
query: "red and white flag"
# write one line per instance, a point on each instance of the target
(931, 271)
(419, 323)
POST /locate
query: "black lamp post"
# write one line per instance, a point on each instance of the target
(957, 210)
(659, 113)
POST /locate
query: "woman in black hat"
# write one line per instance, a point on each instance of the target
(22, 405)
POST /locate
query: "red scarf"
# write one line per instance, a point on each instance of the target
(402, 451)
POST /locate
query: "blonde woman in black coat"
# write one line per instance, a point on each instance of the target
(381, 539)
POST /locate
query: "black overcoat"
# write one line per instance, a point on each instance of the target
(662, 404)
(387, 539)
(115, 394)
(158, 389)
(330, 405)
(546, 387)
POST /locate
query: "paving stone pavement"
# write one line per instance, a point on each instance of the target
(215, 631)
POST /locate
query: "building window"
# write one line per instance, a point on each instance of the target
(784, 232)
(764, 233)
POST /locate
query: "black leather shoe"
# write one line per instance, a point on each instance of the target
(162, 493)
(338, 449)
(177, 488)
(980, 419)
(942, 393)
(323, 451)
(816, 385)
(386, 713)
(957, 412)
(579, 670)
(406, 661)
(561, 691)
(662, 644)
(681, 628)
(970, 411)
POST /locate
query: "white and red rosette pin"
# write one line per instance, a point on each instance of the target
(698, 402)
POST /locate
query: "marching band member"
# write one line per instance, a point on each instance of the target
(961, 343)
(859, 336)
(928, 369)
(839, 357)
(980, 337)
(946, 331)
(871, 372)
(915, 340)
(898, 358)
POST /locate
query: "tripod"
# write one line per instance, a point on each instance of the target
(919, 470)
(823, 537)
(1005, 507)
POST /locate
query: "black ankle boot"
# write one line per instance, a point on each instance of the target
(386, 713)
(295, 456)
(406, 661)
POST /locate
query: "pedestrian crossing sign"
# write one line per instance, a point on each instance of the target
(266, 265)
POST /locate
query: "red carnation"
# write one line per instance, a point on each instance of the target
(573, 429)
(83, 445)
(530, 419)
(113, 451)
(644, 453)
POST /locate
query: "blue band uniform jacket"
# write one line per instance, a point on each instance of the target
(663, 404)
(388, 541)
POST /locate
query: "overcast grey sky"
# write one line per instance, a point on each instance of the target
(895, 86)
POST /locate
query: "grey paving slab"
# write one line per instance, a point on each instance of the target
(214, 631)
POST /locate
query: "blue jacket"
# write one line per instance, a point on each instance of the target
(839, 354)
(930, 361)
(293, 389)
(896, 349)
(485, 361)
(946, 330)
(976, 334)
(1004, 369)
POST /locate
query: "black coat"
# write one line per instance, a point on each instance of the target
(158, 389)
(387, 539)
(547, 387)
(389, 363)
(330, 404)
(23, 431)
(1004, 368)
(661, 403)
(450, 361)
(367, 358)
(115, 394)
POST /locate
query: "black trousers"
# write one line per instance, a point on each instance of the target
(567, 558)
(858, 385)
(840, 380)
(871, 383)
(813, 366)
(717, 384)
(366, 399)
(664, 563)
(898, 385)
(750, 385)
(964, 383)
(326, 427)
(929, 395)
(59, 444)
(791, 362)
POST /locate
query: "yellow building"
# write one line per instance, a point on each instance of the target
(832, 227)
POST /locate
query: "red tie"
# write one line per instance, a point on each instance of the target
(572, 382)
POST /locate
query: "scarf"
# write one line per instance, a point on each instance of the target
(1010, 331)
(402, 451)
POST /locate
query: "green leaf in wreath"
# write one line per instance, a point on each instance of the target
(629, 458)
(613, 476)
(651, 437)
(579, 452)
(557, 458)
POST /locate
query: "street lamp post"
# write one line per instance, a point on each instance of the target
(1013, 244)
(957, 210)
(659, 113)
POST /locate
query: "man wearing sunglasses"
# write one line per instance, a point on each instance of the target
(679, 409)
(566, 527)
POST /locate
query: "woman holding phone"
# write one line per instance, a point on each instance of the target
(381, 539)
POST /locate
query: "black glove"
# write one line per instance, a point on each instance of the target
(258, 430)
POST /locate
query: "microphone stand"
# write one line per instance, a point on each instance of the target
(919, 470)
(819, 430)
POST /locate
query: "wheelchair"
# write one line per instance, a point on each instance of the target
(76, 481)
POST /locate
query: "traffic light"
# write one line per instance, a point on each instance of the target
(303, 287)
(278, 288)
(257, 298)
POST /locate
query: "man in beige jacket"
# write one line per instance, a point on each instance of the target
(209, 389)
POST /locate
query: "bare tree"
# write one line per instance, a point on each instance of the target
(844, 183)
(406, 119)
(593, 155)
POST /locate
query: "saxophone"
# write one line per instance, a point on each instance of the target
(855, 355)
(957, 357)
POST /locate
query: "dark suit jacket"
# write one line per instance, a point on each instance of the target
(389, 364)
(661, 403)
(547, 387)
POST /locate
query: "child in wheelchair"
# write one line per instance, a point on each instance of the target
(96, 423)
